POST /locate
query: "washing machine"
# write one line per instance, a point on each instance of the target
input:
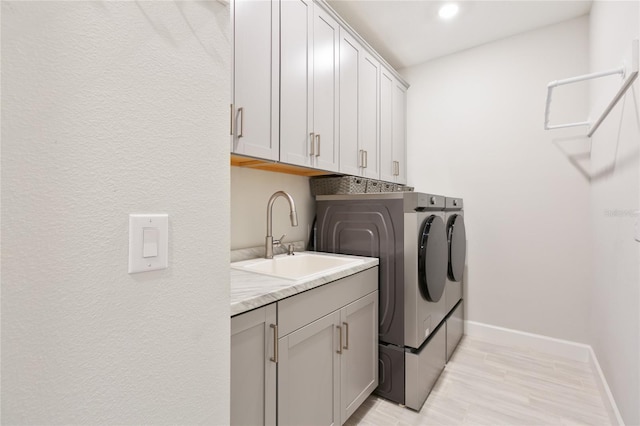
(406, 231)
(456, 248)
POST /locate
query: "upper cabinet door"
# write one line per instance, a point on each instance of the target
(254, 111)
(387, 164)
(296, 82)
(368, 101)
(326, 57)
(350, 52)
(393, 143)
(400, 131)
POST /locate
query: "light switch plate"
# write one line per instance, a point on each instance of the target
(141, 253)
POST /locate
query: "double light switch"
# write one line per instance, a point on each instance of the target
(148, 242)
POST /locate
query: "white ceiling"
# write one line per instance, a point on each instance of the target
(409, 32)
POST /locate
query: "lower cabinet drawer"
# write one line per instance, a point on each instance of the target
(423, 368)
(455, 328)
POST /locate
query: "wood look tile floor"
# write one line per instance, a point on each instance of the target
(487, 384)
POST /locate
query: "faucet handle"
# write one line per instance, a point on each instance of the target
(279, 241)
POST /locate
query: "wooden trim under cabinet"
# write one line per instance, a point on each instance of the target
(272, 166)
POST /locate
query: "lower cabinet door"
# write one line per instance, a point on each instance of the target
(253, 373)
(308, 374)
(359, 361)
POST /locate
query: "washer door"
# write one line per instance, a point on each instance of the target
(432, 258)
(457, 239)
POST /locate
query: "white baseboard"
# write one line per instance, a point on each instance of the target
(509, 337)
(549, 345)
(612, 409)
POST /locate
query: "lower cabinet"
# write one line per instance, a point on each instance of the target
(329, 367)
(309, 374)
(253, 369)
(327, 355)
(359, 361)
(328, 351)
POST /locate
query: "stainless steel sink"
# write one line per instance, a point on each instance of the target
(299, 266)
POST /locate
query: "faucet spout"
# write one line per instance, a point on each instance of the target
(293, 216)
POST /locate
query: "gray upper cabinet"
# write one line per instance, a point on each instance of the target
(254, 108)
(253, 367)
(399, 142)
(393, 157)
(350, 152)
(296, 88)
(308, 91)
(368, 116)
(326, 58)
(309, 86)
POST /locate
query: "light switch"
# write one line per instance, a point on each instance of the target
(148, 242)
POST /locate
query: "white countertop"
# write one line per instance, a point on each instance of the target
(251, 290)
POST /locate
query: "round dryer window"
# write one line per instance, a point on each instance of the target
(432, 258)
(457, 237)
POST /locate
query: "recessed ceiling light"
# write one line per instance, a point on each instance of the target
(448, 10)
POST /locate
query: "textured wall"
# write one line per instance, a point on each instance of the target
(475, 130)
(250, 192)
(111, 108)
(615, 201)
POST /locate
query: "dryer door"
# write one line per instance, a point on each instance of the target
(432, 258)
(457, 239)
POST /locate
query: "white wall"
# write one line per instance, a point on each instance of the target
(250, 192)
(110, 108)
(615, 296)
(475, 130)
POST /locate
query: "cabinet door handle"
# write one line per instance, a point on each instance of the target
(346, 332)
(340, 344)
(318, 141)
(274, 358)
(312, 151)
(360, 158)
(366, 162)
(241, 114)
(231, 120)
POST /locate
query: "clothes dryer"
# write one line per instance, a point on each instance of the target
(407, 232)
(456, 247)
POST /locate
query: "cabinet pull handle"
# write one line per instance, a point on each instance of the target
(274, 358)
(346, 332)
(340, 345)
(312, 151)
(241, 114)
(360, 159)
(318, 141)
(231, 120)
(366, 162)
(397, 168)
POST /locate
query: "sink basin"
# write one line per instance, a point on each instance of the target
(297, 267)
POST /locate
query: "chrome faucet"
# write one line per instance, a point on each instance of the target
(269, 241)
